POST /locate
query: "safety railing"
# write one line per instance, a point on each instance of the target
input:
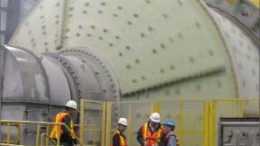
(18, 128)
(93, 129)
(93, 122)
(196, 120)
(229, 107)
(40, 136)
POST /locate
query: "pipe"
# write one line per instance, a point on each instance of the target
(2, 60)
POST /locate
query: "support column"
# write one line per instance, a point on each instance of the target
(2, 61)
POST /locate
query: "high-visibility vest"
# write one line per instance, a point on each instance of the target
(59, 117)
(122, 140)
(152, 139)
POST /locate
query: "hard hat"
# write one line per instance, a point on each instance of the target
(170, 123)
(71, 104)
(122, 121)
(155, 117)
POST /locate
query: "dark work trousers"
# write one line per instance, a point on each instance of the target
(66, 143)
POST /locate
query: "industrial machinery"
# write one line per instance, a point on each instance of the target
(117, 50)
(239, 131)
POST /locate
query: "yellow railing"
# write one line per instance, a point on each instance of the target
(215, 106)
(96, 128)
(39, 136)
(18, 128)
(99, 130)
(210, 110)
(89, 128)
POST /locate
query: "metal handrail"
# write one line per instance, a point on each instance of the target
(9, 122)
(18, 127)
(90, 128)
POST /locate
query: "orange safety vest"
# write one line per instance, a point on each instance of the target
(152, 139)
(122, 141)
(58, 119)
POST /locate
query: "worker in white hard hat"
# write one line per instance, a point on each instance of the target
(119, 138)
(66, 136)
(151, 133)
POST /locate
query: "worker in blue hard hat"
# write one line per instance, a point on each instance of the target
(170, 138)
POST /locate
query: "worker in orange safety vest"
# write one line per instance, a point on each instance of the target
(119, 138)
(67, 137)
(151, 133)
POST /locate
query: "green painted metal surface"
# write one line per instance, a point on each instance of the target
(149, 44)
(167, 49)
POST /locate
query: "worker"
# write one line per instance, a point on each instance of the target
(67, 137)
(170, 138)
(151, 133)
(119, 138)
